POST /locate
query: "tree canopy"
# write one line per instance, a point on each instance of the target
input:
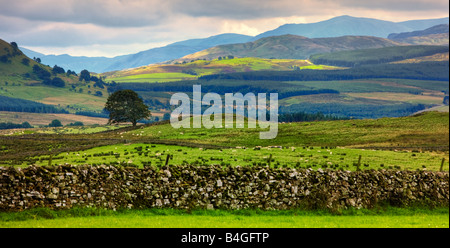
(85, 75)
(55, 123)
(126, 106)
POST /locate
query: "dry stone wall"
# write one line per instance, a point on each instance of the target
(213, 187)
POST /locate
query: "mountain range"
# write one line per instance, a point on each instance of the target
(335, 27)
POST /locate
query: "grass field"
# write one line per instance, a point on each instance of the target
(177, 72)
(154, 77)
(167, 218)
(328, 145)
(300, 157)
(418, 142)
(425, 130)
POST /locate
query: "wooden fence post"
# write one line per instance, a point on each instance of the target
(50, 158)
(358, 166)
(442, 164)
(167, 159)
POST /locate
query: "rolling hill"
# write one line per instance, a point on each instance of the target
(192, 70)
(438, 29)
(290, 47)
(51, 90)
(436, 35)
(373, 56)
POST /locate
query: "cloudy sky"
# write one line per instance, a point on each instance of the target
(115, 27)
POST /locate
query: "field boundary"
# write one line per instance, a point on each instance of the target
(216, 187)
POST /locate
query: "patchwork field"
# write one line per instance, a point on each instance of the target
(194, 69)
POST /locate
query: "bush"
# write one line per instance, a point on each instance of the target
(55, 123)
(9, 125)
(76, 124)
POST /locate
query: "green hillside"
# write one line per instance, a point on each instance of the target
(377, 56)
(176, 71)
(431, 39)
(24, 78)
(291, 47)
(436, 35)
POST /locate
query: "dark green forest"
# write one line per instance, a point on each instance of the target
(21, 105)
(438, 71)
(376, 56)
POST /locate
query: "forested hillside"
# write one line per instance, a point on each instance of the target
(376, 56)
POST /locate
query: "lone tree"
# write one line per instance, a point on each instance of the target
(55, 123)
(126, 106)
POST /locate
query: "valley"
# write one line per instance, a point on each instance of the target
(358, 98)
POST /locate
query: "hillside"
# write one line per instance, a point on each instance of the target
(431, 39)
(191, 70)
(438, 29)
(436, 35)
(290, 47)
(378, 55)
(22, 78)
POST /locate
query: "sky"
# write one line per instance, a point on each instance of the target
(116, 27)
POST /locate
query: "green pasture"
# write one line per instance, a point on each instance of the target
(168, 218)
(169, 73)
(397, 143)
(153, 78)
(293, 157)
(61, 97)
(424, 130)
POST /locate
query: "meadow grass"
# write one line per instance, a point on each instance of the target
(328, 144)
(430, 129)
(299, 157)
(168, 73)
(169, 218)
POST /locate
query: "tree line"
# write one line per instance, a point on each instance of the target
(21, 105)
(222, 87)
(376, 56)
(438, 70)
(357, 111)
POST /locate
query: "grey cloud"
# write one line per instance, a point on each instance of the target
(255, 9)
(139, 13)
(109, 13)
(398, 5)
(239, 9)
